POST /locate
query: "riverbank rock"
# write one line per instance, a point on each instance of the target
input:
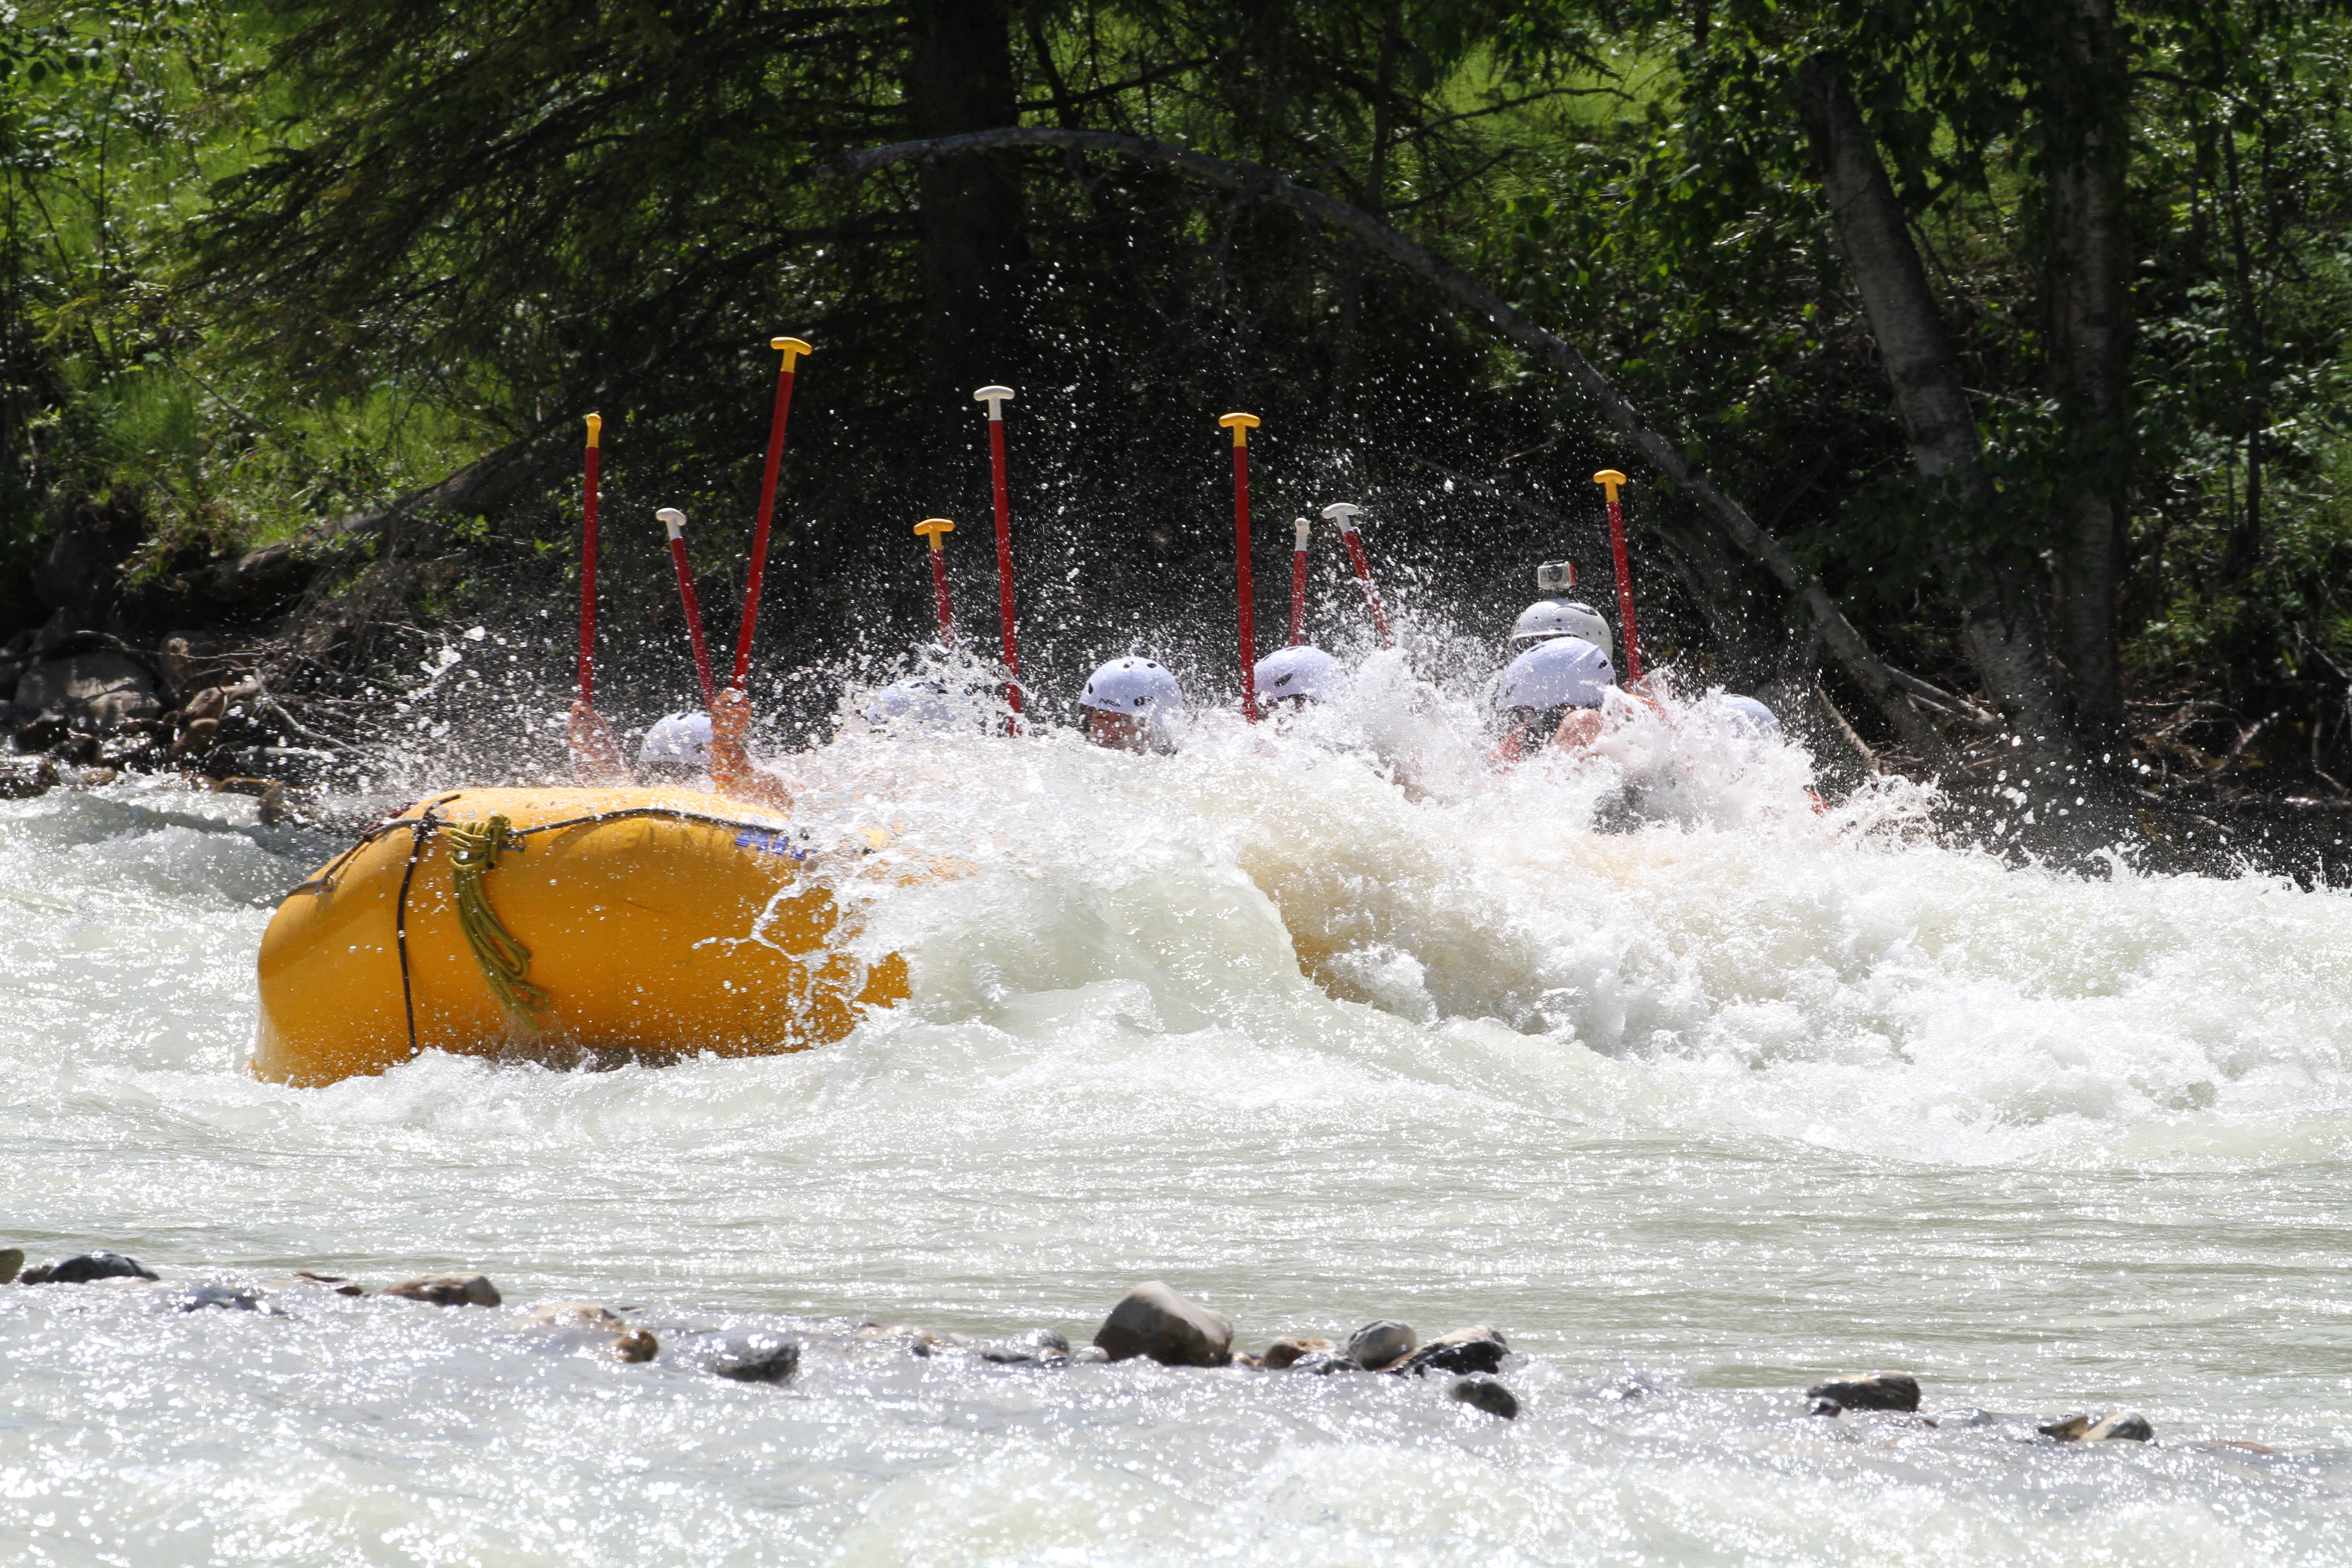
(1154, 1320)
(94, 690)
(1480, 1348)
(1485, 1394)
(22, 778)
(1288, 1352)
(1378, 1346)
(447, 1290)
(2121, 1428)
(83, 1268)
(1031, 1347)
(1866, 1390)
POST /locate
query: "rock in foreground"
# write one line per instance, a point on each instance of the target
(1154, 1320)
(1485, 1394)
(1866, 1390)
(85, 1266)
(449, 1290)
(1379, 1345)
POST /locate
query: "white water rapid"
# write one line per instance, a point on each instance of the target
(1698, 1093)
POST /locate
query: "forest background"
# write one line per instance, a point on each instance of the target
(2015, 332)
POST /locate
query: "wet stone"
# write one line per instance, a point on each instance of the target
(1323, 1363)
(635, 1345)
(335, 1283)
(216, 1297)
(1031, 1347)
(21, 778)
(1286, 1353)
(1888, 1390)
(85, 1266)
(447, 1290)
(1378, 1346)
(12, 1258)
(573, 1315)
(1154, 1320)
(2119, 1429)
(1485, 1394)
(753, 1357)
(1477, 1349)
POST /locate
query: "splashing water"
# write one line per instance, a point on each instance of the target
(1698, 1092)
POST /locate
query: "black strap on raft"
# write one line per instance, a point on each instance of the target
(422, 826)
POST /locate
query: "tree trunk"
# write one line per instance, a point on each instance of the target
(960, 79)
(2087, 294)
(1998, 624)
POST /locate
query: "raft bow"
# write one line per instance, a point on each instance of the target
(557, 923)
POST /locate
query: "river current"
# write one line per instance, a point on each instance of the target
(1695, 1092)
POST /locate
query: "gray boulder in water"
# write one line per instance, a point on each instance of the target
(85, 1266)
(1378, 1346)
(1866, 1390)
(753, 1358)
(447, 1290)
(1154, 1320)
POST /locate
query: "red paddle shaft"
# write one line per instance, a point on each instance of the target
(933, 527)
(1240, 425)
(995, 396)
(675, 521)
(588, 565)
(793, 348)
(1609, 479)
(1298, 582)
(1344, 514)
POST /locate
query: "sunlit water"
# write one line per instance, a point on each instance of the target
(1698, 1093)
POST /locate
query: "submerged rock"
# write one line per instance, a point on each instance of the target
(1286, 1353)
(335, 1283)
(1886, 1390)
(1323, 1363)
(756, 1357)
(1154, 1320)
(217, 1298)
(1031, 1347)
(1477, 1349)
(21, 778)
(2120, 1428)
(85, 1266)
(12, 1258)
(1378, 1346)
(447, 1290)
(573, 1315)
(1485, 1394)
(635, 1345)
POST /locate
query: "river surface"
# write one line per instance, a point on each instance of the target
(1698, 1093)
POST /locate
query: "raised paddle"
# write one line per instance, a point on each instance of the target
(933, 528)
(1609, 479)
(1241, 425)
(791, 349)
(675, 521)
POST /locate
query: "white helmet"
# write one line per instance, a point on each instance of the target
(1302, 671)
(681, 737)
(1565, 672)
(918, 704)
(1560, 618)
(1749, 716)
(1137, 687)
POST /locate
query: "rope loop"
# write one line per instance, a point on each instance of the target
(474, 850)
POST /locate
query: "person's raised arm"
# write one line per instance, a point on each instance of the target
(732, 768)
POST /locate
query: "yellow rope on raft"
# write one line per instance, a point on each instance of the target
(474, 848)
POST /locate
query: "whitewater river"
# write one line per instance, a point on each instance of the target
(1699, 1095)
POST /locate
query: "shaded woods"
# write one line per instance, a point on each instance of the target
(2015, 332)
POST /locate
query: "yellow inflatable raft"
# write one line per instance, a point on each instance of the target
(552, 923)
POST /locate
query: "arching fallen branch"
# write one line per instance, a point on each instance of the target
(1839, 635)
